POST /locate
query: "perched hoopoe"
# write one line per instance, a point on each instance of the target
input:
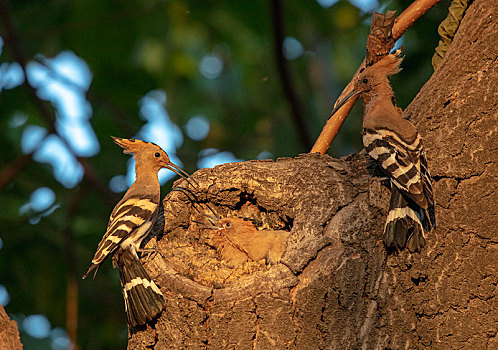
(237, 240)
(130, 222)
(397, 147)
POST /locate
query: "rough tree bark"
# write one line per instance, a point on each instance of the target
(335, 287)
(9, 335)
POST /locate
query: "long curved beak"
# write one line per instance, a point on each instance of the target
(212, 220)
(346, 98)
(180, 172)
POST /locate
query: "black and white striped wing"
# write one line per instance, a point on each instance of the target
(127, 216)
(400, 160)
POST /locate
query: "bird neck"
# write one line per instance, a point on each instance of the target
(382, 93)
(146, 176)
(246, 230)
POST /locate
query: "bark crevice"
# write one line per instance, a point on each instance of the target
(335, 286)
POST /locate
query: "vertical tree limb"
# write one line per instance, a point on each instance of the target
(301, 127)
(335, 289)
(11, 170)
(334, 123)
(72, 273)
(9, 334)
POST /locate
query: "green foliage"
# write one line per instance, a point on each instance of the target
(132, 48)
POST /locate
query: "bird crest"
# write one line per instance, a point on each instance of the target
(130, 146)
(389, 64)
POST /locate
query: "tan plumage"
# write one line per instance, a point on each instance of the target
(238, 240)
(129, 223)
(396, 145)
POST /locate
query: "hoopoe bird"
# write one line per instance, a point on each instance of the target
(237, 240)
(397, 147)
(130, 222)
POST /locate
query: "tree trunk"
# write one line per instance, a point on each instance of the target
(335, 287)
(9, 335)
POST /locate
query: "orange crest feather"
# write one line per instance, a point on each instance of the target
(390, 64)
(130, 146)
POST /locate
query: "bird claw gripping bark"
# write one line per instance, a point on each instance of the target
(148, 253)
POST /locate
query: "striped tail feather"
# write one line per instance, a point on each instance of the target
(90, 269)
(404, 223)
(430, 223)
(431, 215)
(143, 299)
(428, 217)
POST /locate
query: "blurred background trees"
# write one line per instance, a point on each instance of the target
(203, 79)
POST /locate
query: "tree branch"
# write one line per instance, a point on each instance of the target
(285, 75)
(334, 123)
(72, 273)
(11, 170)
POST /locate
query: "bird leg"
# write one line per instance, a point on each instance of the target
(147, 253)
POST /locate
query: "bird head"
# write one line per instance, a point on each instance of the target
(149, 154)
(228, 225)
(231, 226)
(369, 78)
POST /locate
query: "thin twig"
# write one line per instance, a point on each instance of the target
(72, 268)
(334, 123)
(285, 75)
(11, 170)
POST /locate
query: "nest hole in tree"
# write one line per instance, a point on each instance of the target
(189, 250)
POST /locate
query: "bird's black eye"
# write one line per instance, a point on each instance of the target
(365, 80)
(157, 155)
(227, 224)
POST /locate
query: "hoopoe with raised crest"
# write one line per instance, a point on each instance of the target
(397, 147)
(130, 222)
